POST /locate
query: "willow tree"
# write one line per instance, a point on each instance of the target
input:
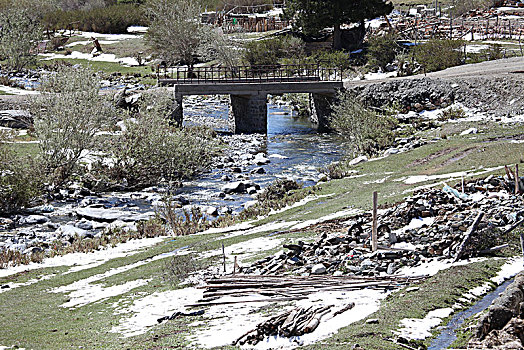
(176, 33)
(314, 15)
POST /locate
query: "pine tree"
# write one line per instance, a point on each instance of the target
(314, 15)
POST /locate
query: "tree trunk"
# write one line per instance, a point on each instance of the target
(337, 37)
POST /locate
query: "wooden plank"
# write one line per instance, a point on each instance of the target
(467, 236)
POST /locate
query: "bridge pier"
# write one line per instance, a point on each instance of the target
(177, 115)
(320, 105)
(248, 113)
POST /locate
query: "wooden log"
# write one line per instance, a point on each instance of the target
(315, 321)
(467, 236)
(344, 309)
(514, 226)
(493, 249)
(517, 180)
(245, 301)
(374, 241)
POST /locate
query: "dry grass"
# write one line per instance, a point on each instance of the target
(110, 238)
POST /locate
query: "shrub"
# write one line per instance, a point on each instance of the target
(464, 6)
(19, 34)
(112, 19)
(278, 190)
(20, 178)
(333, 59)
(451, 113)
(382, 50)
(367, 130)
(150, 150)
(438, 54)
(68, 115)
(269, 52)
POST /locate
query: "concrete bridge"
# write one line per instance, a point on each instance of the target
(249, 87)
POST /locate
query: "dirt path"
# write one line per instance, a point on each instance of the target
(509, 67)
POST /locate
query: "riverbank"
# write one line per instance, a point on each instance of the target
(113, 298)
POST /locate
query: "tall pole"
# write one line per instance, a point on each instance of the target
(374, 241)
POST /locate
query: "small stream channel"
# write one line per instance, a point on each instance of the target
(449, 333)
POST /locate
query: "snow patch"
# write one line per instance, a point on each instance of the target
(83, 261)
(145, 311)
(416, 328)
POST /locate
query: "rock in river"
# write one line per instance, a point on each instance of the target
(109, 215)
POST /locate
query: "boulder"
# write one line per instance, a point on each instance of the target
(237, 187)
(318, 269)
(110, 215)
(16, 119)
(33, 220)
(358, 160)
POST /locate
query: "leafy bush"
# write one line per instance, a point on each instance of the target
(451, 113)
(20, 178)
(68, 115)
(278, 190)
(330, 59)
(269, 52)
(367, 130)
(382, 50)
(438, 54)
(19, 34)
(150, 150)
(112, 19)
(176, 33)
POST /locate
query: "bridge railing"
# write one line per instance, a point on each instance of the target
(249, 74)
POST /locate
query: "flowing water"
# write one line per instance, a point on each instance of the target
(448, 334)
(296, 150)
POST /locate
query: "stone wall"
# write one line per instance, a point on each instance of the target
(320, 110)
(248, 114)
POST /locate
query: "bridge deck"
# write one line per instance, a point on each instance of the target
(319, 87)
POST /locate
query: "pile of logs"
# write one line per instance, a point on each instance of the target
(287, 288)
(291, 323)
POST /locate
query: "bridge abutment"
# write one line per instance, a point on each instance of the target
(320, 105)
(248, 113)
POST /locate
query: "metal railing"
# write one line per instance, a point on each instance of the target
(248, 74)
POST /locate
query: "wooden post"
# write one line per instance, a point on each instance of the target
(522, 243)
(517, 180)
(374, 230)
(235, 266)
(224, 256)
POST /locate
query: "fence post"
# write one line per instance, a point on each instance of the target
(374, 241)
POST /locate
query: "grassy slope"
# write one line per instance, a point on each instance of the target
(31, 317)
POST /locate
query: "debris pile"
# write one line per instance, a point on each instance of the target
(298, 320)
(284, 288)
(291, 323)
(432, 223)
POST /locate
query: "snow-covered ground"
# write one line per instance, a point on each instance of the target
(16, 91)
(105, 57)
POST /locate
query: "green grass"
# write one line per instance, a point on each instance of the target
(31, 316)
(488, 149)
(104, 67)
